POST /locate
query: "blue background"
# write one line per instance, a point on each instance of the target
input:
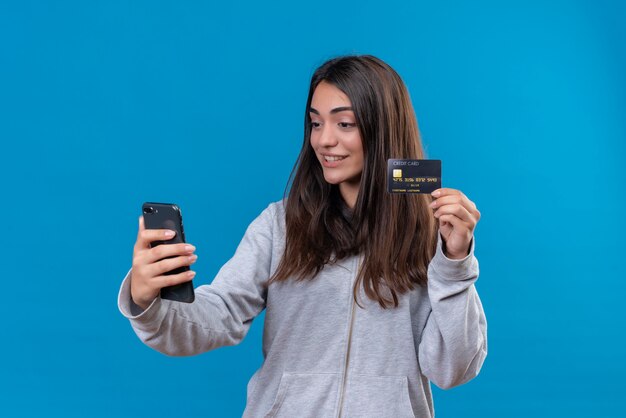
(107, 104)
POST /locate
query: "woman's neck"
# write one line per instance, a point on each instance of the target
(349, 192)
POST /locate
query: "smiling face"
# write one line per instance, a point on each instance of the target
(336, 140)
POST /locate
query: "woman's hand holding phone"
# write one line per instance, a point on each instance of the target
(150, 264)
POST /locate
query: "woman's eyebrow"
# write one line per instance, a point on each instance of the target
(335, 110)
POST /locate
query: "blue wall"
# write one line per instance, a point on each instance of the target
(106, 104)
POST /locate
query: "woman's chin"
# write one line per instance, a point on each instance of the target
(333, 179)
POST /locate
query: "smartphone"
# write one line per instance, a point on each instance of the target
(169, 216)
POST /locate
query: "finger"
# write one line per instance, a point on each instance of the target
(456, 222)
(457, 210)
(455, 198)
(460, 228)
(169, 250)
(174, 279)
(445, 191)
(147, 236)
(169, 264)
(138, 243)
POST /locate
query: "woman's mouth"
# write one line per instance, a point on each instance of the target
(332, 161)
(331, 158)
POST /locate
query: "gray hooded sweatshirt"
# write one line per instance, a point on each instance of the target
(324, 356)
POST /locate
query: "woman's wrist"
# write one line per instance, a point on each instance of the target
(455, 256)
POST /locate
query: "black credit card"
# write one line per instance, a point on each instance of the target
(413, 176)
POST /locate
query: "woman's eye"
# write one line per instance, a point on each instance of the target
(346, 125)
(315, 124)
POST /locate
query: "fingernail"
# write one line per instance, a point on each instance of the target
(193, 257)
(189, 248)
(433, 204)
(191, 273)
(436, 193)
(169, 233)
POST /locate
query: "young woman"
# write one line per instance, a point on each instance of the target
(368, 295)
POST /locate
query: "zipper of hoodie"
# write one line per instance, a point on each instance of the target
(344, 380)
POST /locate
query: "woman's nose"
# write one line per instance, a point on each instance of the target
(327, 138)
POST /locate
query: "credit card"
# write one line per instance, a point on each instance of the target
(413, 176)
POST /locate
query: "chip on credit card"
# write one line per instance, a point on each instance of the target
(413, 176)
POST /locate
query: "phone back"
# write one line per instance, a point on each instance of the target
(169, 216)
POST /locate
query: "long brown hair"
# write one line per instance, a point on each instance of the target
(396, 234)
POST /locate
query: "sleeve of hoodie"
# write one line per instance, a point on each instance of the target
(221, 313)
(454, 341)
